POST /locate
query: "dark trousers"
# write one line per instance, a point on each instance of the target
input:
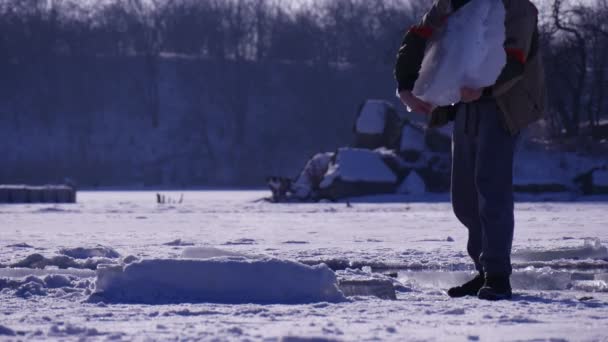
(482, 184)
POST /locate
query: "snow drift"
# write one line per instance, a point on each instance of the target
(468, 51)
(218, 280)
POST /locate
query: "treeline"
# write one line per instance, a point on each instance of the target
(318, 31)
(575, 46)
(335, 33)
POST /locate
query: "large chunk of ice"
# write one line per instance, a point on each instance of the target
(413, 184)
(61, 261)
(412, 139)
(372, 117)
(358, 165)
(467, 52)
(92, 252)
(217, 280)
(209, 252)
(591, 249)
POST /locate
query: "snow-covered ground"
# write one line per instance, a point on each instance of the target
(560, 279)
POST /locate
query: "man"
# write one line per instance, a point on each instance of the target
(487, 124)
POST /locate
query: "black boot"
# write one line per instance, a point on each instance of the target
(495, 288)
(470, 288)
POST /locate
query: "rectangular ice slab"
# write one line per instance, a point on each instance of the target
(235, 280)
(382, 289)
(37, 194)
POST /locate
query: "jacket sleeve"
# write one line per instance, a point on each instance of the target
(520, 26)
(411, 52)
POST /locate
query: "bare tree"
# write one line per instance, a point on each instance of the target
(578, 40)
(151, 19)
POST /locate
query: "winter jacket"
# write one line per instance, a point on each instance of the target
(520, 88)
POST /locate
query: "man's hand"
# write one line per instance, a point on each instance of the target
(415, 104)
(469, 94)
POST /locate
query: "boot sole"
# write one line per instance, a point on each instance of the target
(493, 296)
(461, 295)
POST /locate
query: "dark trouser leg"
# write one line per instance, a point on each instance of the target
(464, 191)
(494, 183)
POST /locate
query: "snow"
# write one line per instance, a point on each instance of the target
(468, 52)
(55, 281)
(372, 118)
(358, 165)
(558, 167)
(412, 139)
(37, 260)
(560, 269)
(216, 280)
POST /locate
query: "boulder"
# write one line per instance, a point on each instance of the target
(593, 182)
(413, 143)
(358, 172)
(413, 184)
(377, 125)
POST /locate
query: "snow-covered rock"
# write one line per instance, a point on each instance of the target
(311, 175)
(216, 280)
(413, 184)
(468, 51)
(358, 165)
(412, 139)
(372, 117)
(377, 125)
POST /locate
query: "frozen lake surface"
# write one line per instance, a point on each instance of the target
(560, 261)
